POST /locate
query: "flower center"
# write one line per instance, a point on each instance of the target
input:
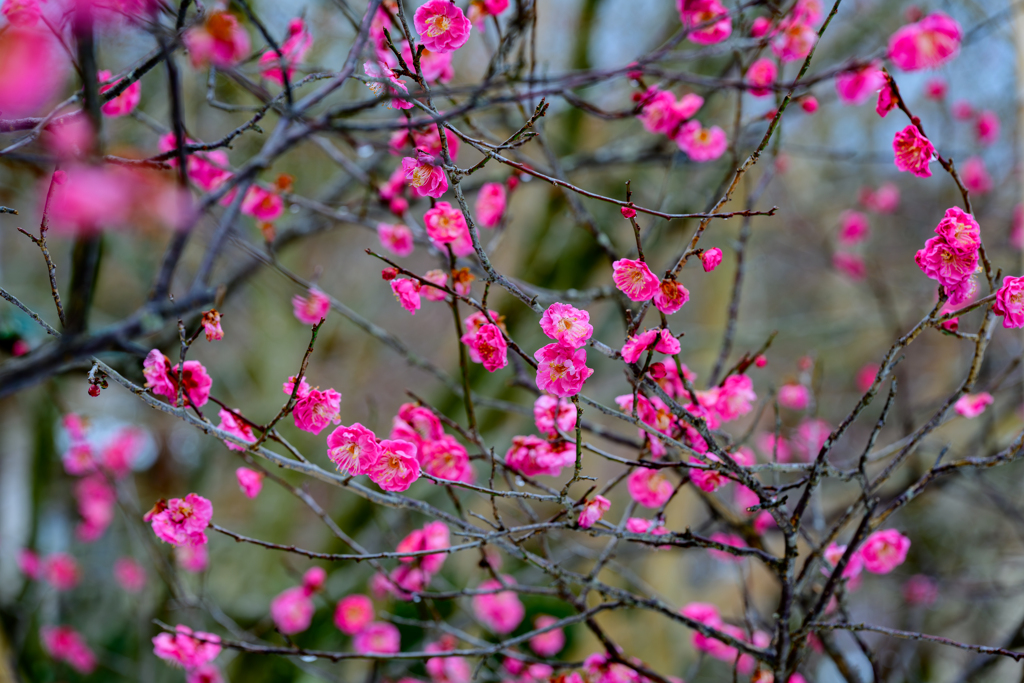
(420, 176)
(437, 25)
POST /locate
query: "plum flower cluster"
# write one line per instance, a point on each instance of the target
(562, 366)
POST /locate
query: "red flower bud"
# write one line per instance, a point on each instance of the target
(389, 273)
(628, 212)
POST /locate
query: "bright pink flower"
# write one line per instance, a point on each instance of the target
(30, 564)
(1010, 302)
(353, 449)
(236, 427)
(96, 499)
(667, 343)
(810, 436)
(975, 176)
(186, 648)
(935, 88)
(659, 113)
(866, 377)
(387, 80)
(353, 613)
(694, 13)
(204, 674)
(962, 110)
(396, 467)
(987, 128)
(853, 227)
(293, 51)
(562, 371)
(396, 238)
(946, 263)
(960, 231)
(649, 487)
(711, 258)
(181, 521)
(883, 551)
(65, 644)
(734, 398)
(707, 614)
(211, 325)
(22, 13)
(850, 264)
(635, 346)
(761, 77)
(920, 590)
(192, 558)
(162, 379)
(760, 26)
(61, 571)
(973, 405)
(567, 325)
(794, 396)
(250, 481)
(634, 279)
(550, 643)
(730, 540)
(794, 40)
(129, 574)
(220, 41)
(886, 199)
(311, 309)
(447, 669)
(442, 26)
(532, 455)
(262, 204)
(407, 292)
(886, 100)
(500, 612)
(809, 103)
(702, 144)
(768, 445)
(855, 87)
(549, 412)
(670, 296)
(490, 204)
(490, 347)
(833, 553)
(926, 44)
(314, 579)
(378, 637)
(425, 178)
(438, 277)
(436, 66)
(416, 424)
(592, 511)
(123, 104)
(913, 152)
(33, 69)
(447, 459)
(292, 610)
(317, 409)
(433, 536)
(445, 224)
(707, 480)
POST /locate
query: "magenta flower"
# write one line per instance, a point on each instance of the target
(659, 113)
(416, 424)
(500, 612)
(293, 51)
(549, 643)
(853, 227)
(883, 551)
(946, 263)
(353, 613)
(353, 448)
(711, 258)
(311, 309)
(634, 279)
(162, 379)
(438, 277)
(531, 456)
(236, 427)
(33, 72)
(262, 204)
(123, 104)
(986, 128)
(445, 224)
(1010, 302)
(396, 466)
(378, 637)
(926, 44)
(761, 76)
(731, 540)
(211, 325)
(810, 436)
(490, 204)
(567, 325)
(490, 346)
(433, 536)
(886, 101)
(317, 409)
(250, 481)
(975, 176)
(707, 480)
(959, 230)
(396, 238)
(702, 144)
(973, 405)
(442, 26)
(192, 558)
(95, 499)
(794, 396)
(130, 574)
(913, 152)
(186, 648)
(292, 610)
(549, 412)
(562, 371)
(794, 39)
(734, 398)
(61, 571)
(670, 296)
(667, 343)
(592, 511)
(407, 292)
(181, 522)
(855, 87)
(447, 459)
(635, 346)
(920, 590)
(699, 12)
(220, 41)
(389, 81)
(64, 644)
(648, 487)
(834, 552)
(849, 264)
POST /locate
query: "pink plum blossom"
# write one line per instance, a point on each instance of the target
(761, 77)
(396, 238)
(387, 81)
(731, 540)
(667, 343)
(490, 204)
(920, 590)
(186, 648)
(986, 128)
(262, 204)
(926, 44)
(1010, 302)
(973, 405)
(207, 673)
(378, 637)
(634, 279)
(34, 69)
(130, 574)
(810, 436)
(670, 296)
(310, 310)
(501, 612)
(794, 396)
(702, 144)
(491, 347)
(250, 481)
(235, 427)
(707, 480)
(635, 346)
(65, 644)
(211, 325)
(913, 152)
(975, 176)
(439, 278)
(447, 459)
(834, 553)
(96, 499)
(61, 571)
(649, 487)
(549, 643)
(445, 224)
(532, 455)
(592, 511)
(853, 227)
(293, 51)
(220, 41)
(855, 87)
(192, 558)
(181, 521)
(883, 551)
(442, 26)
(396, 466)
(353, 613)
(734, 398)
(123, 104)
(567, 325)
(936, 88)
(794, 40)
(317, 409)
(162, 379)
(962, 110)
(407, 292)
(711, 258)
(549, 412)
(886, 100)
(416, 424)
(433, 536)
(693, 13)
(946, 263)
(424, 177)
(561, 370)
(809, 104)
(292, 610)
(959, 229)
(353, 448)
